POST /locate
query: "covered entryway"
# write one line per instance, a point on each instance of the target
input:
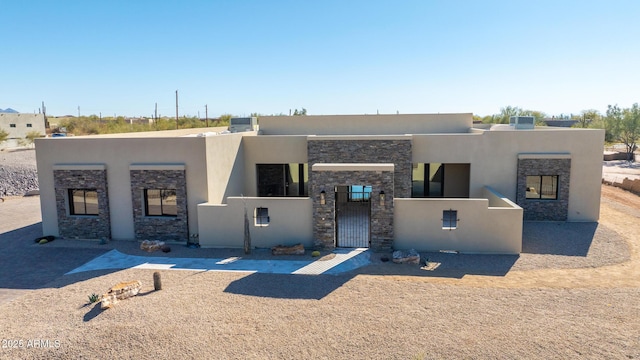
(353, 216)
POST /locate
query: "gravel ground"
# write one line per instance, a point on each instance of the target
(550, 310)
(18, 173)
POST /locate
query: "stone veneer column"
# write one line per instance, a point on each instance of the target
(67, 177)
(544, 164)
(173, 228)
(381, 230)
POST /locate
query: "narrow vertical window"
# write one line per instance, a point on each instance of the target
(449, 219)
(261, 216)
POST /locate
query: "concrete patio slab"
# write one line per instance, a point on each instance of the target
(344, 260)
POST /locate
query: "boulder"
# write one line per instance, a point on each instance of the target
(288, 250)
(151, 245)
(406, 257)
(119, 292)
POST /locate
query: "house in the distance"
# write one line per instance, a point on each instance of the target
(18, 125)
(429, 182)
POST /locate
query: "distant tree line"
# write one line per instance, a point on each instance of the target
(620, 124)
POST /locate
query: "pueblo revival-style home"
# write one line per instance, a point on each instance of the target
(429, 182)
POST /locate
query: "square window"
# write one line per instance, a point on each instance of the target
(160, 202)
(543, 187)
(12, 125)
(29, 125)
(449, 219)
(83, 202)
(261, 216)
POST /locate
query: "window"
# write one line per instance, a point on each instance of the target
(544, 187)
(83, 202)
(29, 125)
(449, 219)
(360, 193)
(283, 179)
(427, 180)
(12, 125)
(261, 216)
(160, 202)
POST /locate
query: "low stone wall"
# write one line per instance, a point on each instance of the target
(626, 184)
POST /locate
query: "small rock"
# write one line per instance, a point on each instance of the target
(165, 248)
(288, 250)
(119, 292)
(152, 245)
(406, 257)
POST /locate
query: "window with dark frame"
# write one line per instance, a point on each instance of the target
(261, 216)
(29, 125)
(542, 187)
(12, 125)
(427, 180)
(160, 202)
(83, 202)
(449, 219)
(283, 180)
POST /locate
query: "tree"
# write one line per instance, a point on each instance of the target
(588, 117)
(630, 129)
(506, 113)
(3, 135)
(302, 112)
(624, 126)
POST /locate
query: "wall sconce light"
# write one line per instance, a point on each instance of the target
(382, 198)
(323, 197)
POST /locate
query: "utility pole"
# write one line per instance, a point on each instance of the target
(78, 110)
(176, 109)
(206, 114)
(155, 114)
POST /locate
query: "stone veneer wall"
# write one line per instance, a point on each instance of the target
(396, 152)
(159, 227)
(381, 216)
(396, 184)
(538, 209)
(82, 226)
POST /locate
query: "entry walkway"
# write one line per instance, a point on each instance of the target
(344, 260)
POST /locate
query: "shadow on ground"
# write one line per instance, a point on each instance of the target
(27, 265)
(280, 286)
(445, 265)
(558, 238)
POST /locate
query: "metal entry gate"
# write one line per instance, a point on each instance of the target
(353, 214)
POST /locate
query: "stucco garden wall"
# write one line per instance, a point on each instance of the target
(222, 225)
(481, 229)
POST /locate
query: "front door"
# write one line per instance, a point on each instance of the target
(353, 216)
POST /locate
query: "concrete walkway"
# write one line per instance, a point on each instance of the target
(344, 260)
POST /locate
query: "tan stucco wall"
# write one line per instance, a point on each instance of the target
(223, 225)
(481, 229)
(457, 180)
(224, 166)
(117, 154)
(269, 150)
(366, 124)
(493, 156)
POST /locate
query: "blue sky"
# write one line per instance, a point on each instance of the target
(330, 57)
